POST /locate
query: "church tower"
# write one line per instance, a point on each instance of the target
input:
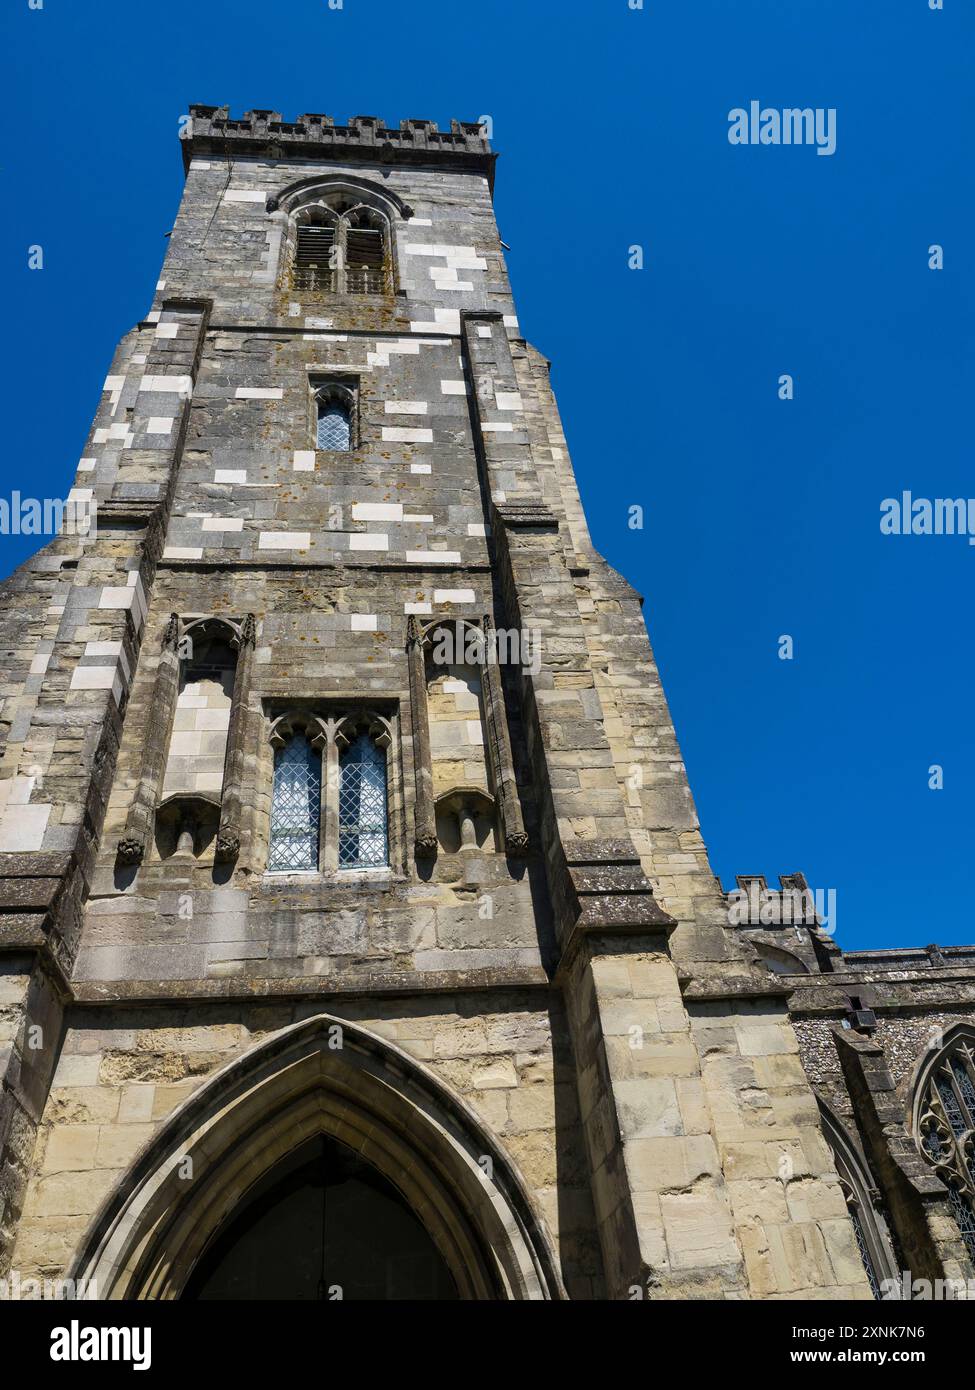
(347, 858)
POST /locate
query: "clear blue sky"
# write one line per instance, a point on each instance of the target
(761, 516)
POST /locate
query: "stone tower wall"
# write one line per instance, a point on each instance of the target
(573, 978)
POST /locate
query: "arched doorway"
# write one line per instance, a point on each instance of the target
(193, 1197)
(322, 1225)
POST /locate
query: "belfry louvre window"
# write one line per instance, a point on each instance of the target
(315, 255)
(342, 249)
(296, 805)
(946, 1128)
(363, 840)
(365, 257)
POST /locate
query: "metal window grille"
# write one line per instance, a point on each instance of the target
(334, 426)
(363, 828)
(296, 803)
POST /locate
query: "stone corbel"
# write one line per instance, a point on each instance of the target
(502, 764)
(425, 826)
(466, 804)
(134, 842)
(232, 792)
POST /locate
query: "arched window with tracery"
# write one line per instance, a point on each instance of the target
(945, 1126)
(336, 794)
(335, 417)
(341, 247)
(316, 249)
(363, 819)
(296, 802)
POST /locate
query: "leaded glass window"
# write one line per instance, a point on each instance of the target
(363, 828)
(864, 1249)
(334, 424)
(946, 1130)
(296, 802)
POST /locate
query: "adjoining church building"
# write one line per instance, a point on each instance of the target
(357, 936)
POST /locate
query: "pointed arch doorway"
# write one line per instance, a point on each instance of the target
(329, 1145)
(323, 1225)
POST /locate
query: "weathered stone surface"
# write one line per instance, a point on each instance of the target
(545, 964)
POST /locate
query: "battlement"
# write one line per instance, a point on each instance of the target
(211, 131)
(754, 904)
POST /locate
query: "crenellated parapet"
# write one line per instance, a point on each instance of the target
(792, 926)
(210, 130)
(754, 904)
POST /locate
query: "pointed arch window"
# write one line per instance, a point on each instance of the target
(316, 250)
(296, 805)
(342, 247)
(365, 252)
(334, 782)
(946, 1127)
(363, 822)
(335, 416)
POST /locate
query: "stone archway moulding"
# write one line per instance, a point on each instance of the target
(322, 1076)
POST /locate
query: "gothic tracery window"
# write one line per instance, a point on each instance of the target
(335, 417)
(341, 247)
(946, 1128)
(330, 795)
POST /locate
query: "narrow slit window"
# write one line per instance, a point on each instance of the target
(363, 824)
(296, 803)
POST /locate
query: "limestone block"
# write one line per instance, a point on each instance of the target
(698, 1231)
(73, 1193)
(70, 1148)
(648, 1108)
(658, 1165)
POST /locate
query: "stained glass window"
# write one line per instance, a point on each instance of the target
(363, 833)
(296, 803)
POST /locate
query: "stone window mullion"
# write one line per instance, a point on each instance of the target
(341, 240)
(333, 741)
